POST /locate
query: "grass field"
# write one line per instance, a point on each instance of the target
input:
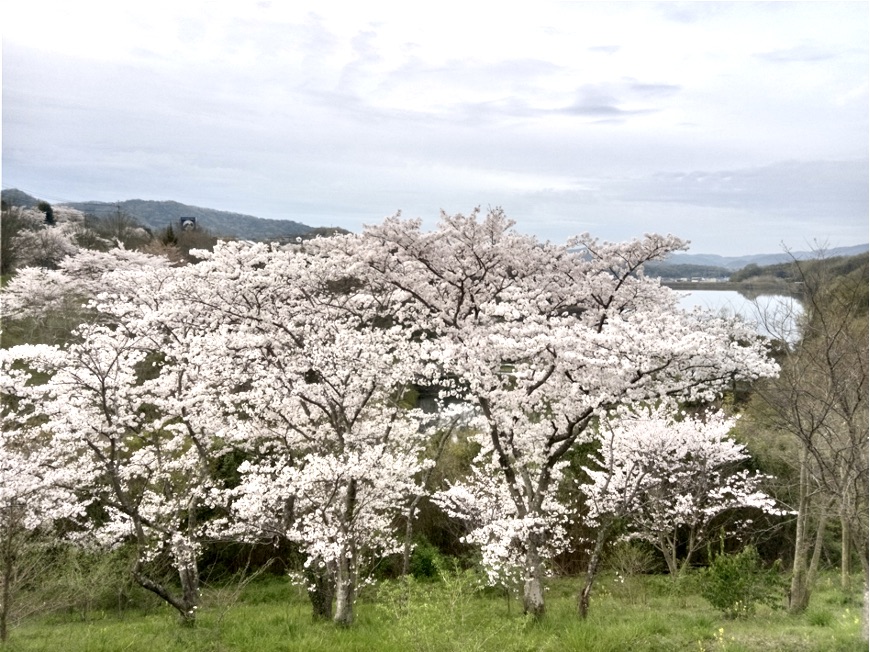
(636, 614)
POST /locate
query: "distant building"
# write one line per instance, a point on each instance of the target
(188, 223)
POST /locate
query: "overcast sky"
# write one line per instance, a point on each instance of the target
(741, 127)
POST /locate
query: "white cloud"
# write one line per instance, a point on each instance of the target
(571, 114)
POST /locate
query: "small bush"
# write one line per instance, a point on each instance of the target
(736, 583)
(675, 586)
(425, 561)
(629, 558)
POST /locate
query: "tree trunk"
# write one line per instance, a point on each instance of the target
(184, 554)
(592, 571)
(845, 551)
(345, 592)
(691, 546)
(321, 591)
(185, 611)
(818, 546)
(406, 551)
(533, 585)
(6, 598)
(669, 550)
(799, 593)
(345, 582)
(189, 577)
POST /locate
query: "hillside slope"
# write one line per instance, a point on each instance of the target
(738, 262)
(157, 215)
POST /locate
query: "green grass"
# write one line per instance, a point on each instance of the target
(638, 614)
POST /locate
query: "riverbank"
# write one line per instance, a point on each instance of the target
(746, 289)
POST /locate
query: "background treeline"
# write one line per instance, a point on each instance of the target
(776, 273)
(686, 271)
(838, 266)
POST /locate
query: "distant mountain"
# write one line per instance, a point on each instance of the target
(15, 197)
(734, 263)
(157, 215)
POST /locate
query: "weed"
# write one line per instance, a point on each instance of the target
(820, 617)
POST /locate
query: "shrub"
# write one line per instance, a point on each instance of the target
(629, 558)
(736, 583)
(425, 561)
(64, 578)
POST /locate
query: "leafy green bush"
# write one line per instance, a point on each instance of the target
(425, 561)
(736, 583)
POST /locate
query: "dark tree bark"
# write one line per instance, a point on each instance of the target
(321, 592)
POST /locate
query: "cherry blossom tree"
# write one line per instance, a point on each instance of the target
(300, 358)
(669, 478)
(315, 376)
(121, 406)
(36, 490)
(544, 338)
(484, 503)
(79, 278)
(339, 455)
(276, 352)
(44, 305)
(41, 244)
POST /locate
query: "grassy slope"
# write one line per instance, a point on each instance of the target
(638, 614)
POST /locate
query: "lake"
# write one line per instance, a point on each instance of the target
(774, 315)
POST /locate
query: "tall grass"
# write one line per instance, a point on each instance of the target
(636, 613)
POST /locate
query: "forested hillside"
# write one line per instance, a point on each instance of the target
(790, 272)
(734, 263)
(156, 216)
(754, 269)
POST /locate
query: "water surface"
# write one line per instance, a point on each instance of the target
(774, 315)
